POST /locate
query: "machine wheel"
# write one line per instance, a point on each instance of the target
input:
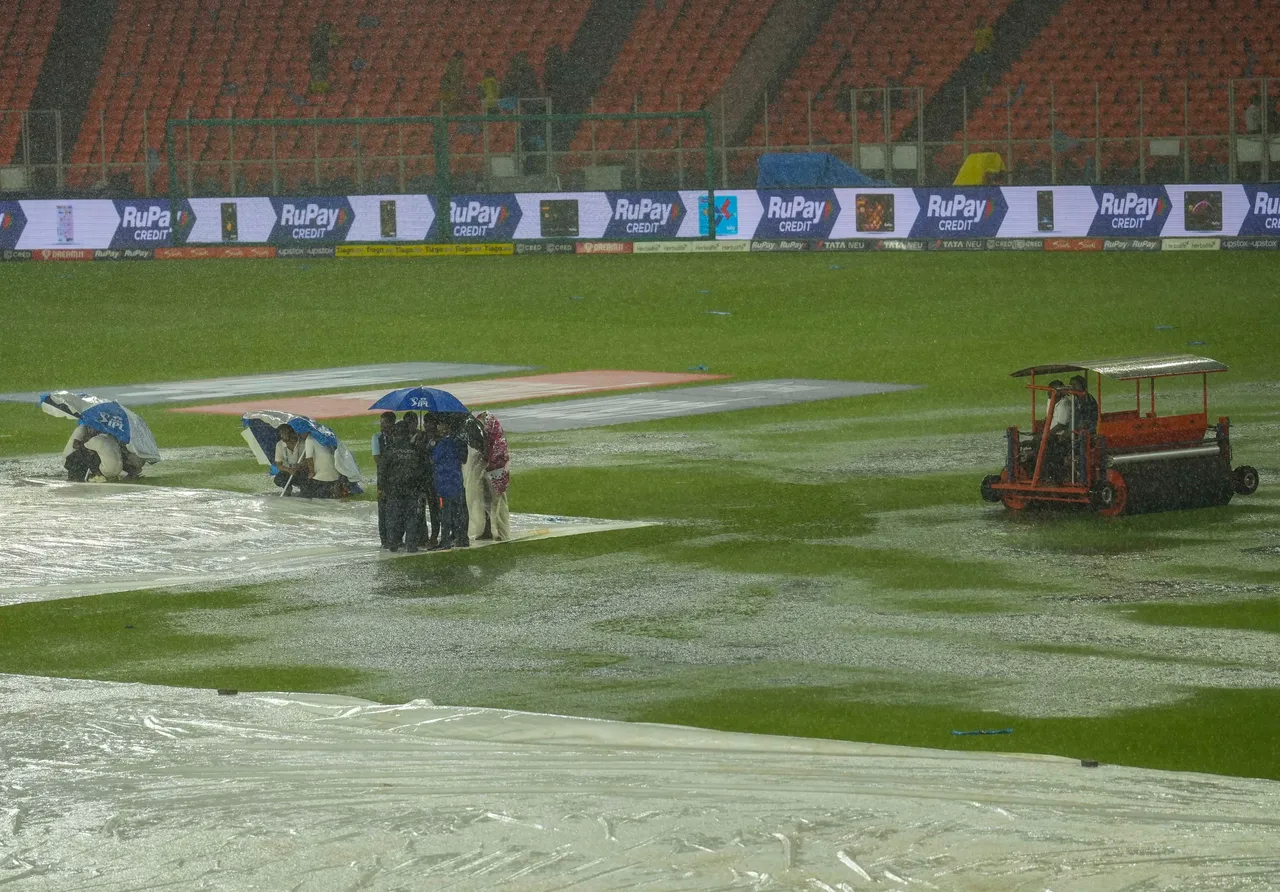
(1245, 480)
(1111, 496)
(989, 494)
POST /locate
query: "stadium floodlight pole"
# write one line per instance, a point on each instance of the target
(444, 190)
(709, 147)
(171, 150)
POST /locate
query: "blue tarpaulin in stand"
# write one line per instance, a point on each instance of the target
(804, 170)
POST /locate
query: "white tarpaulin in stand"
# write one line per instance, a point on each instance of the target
(108, 786)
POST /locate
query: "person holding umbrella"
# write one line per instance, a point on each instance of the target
(437, 405)
(447, 455)
(288, 458)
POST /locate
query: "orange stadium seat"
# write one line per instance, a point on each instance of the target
(1163, 45)
(251, 58)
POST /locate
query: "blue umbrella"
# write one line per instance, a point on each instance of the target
(114, 419)
(420, 399)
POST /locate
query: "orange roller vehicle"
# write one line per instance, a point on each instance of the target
(1123, 461)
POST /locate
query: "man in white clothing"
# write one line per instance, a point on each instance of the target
(93, 456)
(320, 472)
(288, 456)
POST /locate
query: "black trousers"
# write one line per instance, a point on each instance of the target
(382, 519)
(454, 522)
(402, 521)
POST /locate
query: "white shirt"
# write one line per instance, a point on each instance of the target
(1062, 412)
(111, 459)
(321, 461)
(286, 456)
(79, 435)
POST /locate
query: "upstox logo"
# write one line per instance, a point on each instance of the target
(476, 218)
(797, 214)
(1137, 210)
(957, 213)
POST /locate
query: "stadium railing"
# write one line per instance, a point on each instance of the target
(1056, 135)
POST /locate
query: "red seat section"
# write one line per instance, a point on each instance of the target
(251, 58)
(25, 29)
(1176, 49)
(868, 44)
(678, 56)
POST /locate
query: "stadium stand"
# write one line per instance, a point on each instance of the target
(1167, 46)
(869, 45)
(26, 27)
(678, 56)
(250, 58)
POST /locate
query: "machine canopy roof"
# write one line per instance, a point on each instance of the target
(1163, 366)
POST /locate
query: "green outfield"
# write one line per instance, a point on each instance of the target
(824, 569)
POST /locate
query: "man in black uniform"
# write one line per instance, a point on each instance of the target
(1086, 405)
(381, 440)
(400, 478)
(429, 504)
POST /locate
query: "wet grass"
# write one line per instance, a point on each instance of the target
(766, 504)
(137, 636)
(1218, 731)
(947, 324)
(1261, 615)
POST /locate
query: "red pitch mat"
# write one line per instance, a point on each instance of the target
(473, 393)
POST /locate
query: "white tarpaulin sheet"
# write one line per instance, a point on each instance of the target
(62, 540)
(114, 787)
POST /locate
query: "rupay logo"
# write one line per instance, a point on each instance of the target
(798, 214)
(646, 216)
(959, 213)
(1131, 205)
(476, 218)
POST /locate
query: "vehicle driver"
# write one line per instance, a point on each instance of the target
(1086, 405)
(1059, 446)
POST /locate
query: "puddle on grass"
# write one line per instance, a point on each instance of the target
(600, 633)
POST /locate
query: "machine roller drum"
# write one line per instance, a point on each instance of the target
(1197, 481)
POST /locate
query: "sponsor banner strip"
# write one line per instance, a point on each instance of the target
(947, 216)
(217, 252)
(1190, 244)
(1073, 244)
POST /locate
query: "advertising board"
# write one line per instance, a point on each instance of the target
(1056, 218)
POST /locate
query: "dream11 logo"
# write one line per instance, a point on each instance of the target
(311, 219)
(966, 213)
(484, 218)
(651, 214)
(804, 213)
(726, 215)
(1130, 210)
